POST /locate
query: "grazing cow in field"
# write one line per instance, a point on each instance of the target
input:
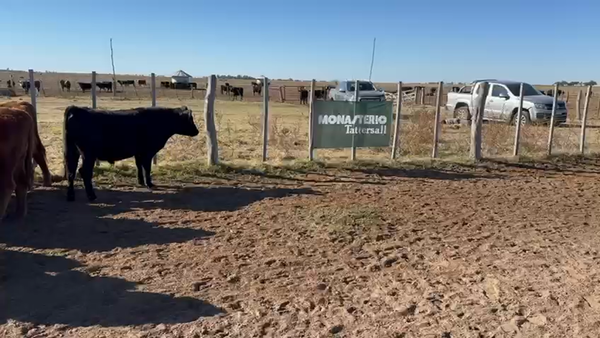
(550, 92)
(303, 95)
(65, 85)
(257, 88)
(321, 94)
(39, 151)
(193, 85)
(165, 84)
(116, 135)
(432, 92)
(84, 86)
(10, 84)
(226, 89)
(142, 83)
(25, 85)
(237, 91)
(126, 83)
(17, 140)
(105, 85)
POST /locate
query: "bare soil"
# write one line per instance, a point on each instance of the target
(501, 251)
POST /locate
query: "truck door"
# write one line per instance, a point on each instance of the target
(497, 101)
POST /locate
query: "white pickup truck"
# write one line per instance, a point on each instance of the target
(503, 102)
(367, 91)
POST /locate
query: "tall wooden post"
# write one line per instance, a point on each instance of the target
(578, 105)
(265, 129)
(584, 119)
(356, 100)
(209, 121)
(396, 138)
(94, 97)
(33, 94)
(551, 132)
(518, 122)
(153, 87)
(311, 116)
(477, 120)
(437, 126)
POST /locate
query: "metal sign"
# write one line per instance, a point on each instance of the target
(339, 124)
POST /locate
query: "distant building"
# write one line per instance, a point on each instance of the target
(181, 77)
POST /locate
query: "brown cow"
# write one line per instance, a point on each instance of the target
(39, 152)
(17, 141)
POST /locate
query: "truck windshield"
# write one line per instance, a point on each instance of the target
(528, 90)
(362, 86)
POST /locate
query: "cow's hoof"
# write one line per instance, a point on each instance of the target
(150, 186)
(70, 197)
(92, 198)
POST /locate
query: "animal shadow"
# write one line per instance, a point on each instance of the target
(48, 290)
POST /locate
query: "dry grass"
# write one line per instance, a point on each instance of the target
(239, 126)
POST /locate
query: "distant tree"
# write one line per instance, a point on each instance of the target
(573, 83)
(590, 83)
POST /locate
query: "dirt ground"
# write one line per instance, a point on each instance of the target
(497, 251)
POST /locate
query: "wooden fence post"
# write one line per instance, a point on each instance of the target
(311, 114)
(209, 121)
(584, 119)
(356, 100)
(417, 90)
(32, 94)
(284, 94)
(578, 105)
(396, 138)
(153, 88)
(94, 97)
(265, 129)
(477, 120)
(437, 126)
(422, 98)
(518, 122)
(281, 97)
(551, 133)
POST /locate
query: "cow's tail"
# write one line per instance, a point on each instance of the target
(66, 141)
(31, 145)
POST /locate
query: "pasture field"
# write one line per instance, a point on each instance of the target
(51, 88)
(411, 248)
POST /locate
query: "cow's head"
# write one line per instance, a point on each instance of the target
(185, 123)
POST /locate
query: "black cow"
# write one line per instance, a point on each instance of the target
(126, 83)
(116, 135)
(65, 85)
(165, 84)
(550, 92)
(25, 85)
(105, 85)
(84, 86)
(257, 88)
(142, 83)
(303, 95)
(226, 89)
(237, 91)
(193, 85)
(322, 93)
(10, 84)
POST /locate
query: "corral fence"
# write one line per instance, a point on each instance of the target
(387, 126)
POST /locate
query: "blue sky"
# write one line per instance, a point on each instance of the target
(417, 40)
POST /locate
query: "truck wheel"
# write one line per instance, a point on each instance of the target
(525, 119)
(462, 113)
